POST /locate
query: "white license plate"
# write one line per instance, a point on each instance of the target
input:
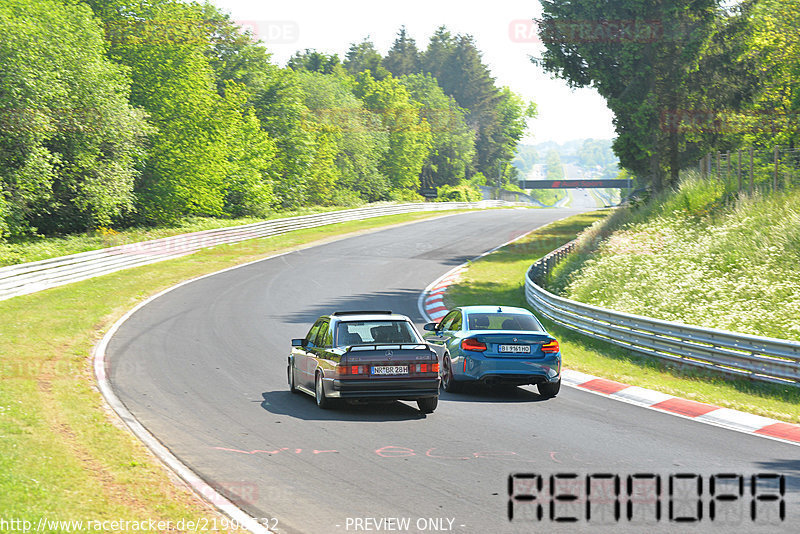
(390, 370)
(519, 349)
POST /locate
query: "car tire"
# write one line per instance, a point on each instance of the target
(319, 393)
(292, 386)
(549, 389)
(428, 404)
(449, 383)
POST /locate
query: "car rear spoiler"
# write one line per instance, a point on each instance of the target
(370, 312)
(388, 346)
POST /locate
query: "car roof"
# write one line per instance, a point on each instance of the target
(493, 309)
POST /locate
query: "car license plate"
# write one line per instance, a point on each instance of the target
(390, 370)
(519, 349)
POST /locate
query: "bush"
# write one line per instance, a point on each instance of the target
(463, 192)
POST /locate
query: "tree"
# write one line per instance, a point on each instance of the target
(361, 139)
(409, 135)
(437, 55)
(403, 57)
(283, 115)
(457, 65)
(774, 51)
(639, 56)
(251, 167)
(514, 113)
(363, 57)
(234, 55)
(163, 43)
(453, 141)
(314, 61)
(70, 142)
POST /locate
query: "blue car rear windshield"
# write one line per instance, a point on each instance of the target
(504, 321)
(367, 332)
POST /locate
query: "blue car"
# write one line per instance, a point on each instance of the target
(495, 345)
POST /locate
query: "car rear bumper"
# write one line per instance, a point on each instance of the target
(510, 371)
(398, 389)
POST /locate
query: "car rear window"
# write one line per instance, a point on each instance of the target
(357, 332)
(504, 321)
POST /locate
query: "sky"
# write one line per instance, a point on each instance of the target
(502, 29)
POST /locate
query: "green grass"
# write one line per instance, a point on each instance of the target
(499, 279)
(27, 249)
(698, 258)
(62, 455)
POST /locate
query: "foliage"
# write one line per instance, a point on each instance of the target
(362, 140)
(284, 116)
(689, 258)
(311, 60)
(403, 58)
(775, 51)
(463, 192)
(173, 81)
(234, 55)
(642, 73)
(251, 153)
(174, 111)
(453, 145)
(70, 142)
(409, 134)
(362, 57)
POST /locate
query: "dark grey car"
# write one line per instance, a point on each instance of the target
(362, 356)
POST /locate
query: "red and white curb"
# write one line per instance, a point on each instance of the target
(431, 305)
(689, 409)
(433, 300)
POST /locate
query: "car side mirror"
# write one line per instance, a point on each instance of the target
(298, 342)
(431, 327)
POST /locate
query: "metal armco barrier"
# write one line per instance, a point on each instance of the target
(35, 276)
(759, 358)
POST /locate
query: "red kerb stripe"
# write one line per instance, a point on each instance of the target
(785, 431)
(685, 407)
(604, 386)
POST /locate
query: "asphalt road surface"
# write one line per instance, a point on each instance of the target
(204, 369)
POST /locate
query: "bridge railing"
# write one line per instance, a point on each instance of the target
(760, 358)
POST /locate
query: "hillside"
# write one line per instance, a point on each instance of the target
(692, 258)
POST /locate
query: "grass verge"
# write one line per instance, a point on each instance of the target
(62, 455)
(695, 257)
(499, 279)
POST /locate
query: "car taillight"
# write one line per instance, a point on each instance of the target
(427, 367)
(550, 347)
(473, 344)
(349, 370)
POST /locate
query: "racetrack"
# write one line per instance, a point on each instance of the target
(204, 369)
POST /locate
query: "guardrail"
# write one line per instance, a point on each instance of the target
(35, 276)
(759, 358)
